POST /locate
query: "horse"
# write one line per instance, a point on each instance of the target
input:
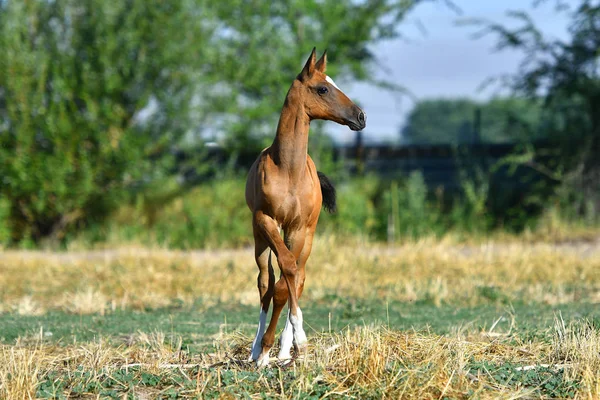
(285, 192)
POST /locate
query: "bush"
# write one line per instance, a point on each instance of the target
(357, 209)
(4, 220)
(212, 214)
(74, 77)
(408, 211)
(215, 214)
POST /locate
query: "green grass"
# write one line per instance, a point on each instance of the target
(198, 328)
(544, 382)
(195, 332)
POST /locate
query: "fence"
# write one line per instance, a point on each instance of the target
(441, 165)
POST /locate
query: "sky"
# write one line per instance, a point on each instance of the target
(443, 62)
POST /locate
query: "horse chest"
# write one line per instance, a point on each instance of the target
(292, 208)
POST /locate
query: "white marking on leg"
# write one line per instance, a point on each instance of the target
(328, 79)
(287, 337)
(263, 359)
(257, 343)
(299, 335)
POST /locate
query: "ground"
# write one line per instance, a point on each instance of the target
(427, 319)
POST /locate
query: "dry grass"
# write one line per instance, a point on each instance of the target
(435, 271)
(373, 362)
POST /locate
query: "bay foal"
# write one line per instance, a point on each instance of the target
(285, 192)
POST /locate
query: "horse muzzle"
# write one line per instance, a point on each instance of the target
(358, 122)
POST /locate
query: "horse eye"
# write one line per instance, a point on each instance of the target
(322, 90)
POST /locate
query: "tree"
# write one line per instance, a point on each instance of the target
(74, 77)
(565, 74)
(452, 121)
(95, 96)
(264, 45)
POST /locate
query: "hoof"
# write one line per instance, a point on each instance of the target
(263, 361)
(284, 355)
(301, 348)
(256, 352)
(300, 341)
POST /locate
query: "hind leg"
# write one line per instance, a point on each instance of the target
(266, 283)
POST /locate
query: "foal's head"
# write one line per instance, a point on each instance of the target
(322, 99)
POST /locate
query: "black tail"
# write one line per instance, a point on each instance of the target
(328, 193)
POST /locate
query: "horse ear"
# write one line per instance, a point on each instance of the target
(321, 65)
(309, 67)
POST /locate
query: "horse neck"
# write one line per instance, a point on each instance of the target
(290, 147)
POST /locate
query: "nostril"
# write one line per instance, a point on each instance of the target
(361, 117)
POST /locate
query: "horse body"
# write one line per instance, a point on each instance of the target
(283, 191)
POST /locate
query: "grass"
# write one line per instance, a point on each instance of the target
(199, 328)
(429, 319)
(358, 362)
(431, 271)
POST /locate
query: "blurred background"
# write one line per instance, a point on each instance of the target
(135, 122)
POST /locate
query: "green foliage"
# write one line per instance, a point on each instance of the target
(453, 121)
(213, 214)
(408, 209)
(94, 103)
(4, 220)
(357, 213)
(565, 74)
(95, 96)
(73, 79)
(257, 69)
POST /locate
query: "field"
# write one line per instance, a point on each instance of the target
(425, 319)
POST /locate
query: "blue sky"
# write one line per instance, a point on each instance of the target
(445, 62)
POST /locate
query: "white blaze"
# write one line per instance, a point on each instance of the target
(328, 79)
